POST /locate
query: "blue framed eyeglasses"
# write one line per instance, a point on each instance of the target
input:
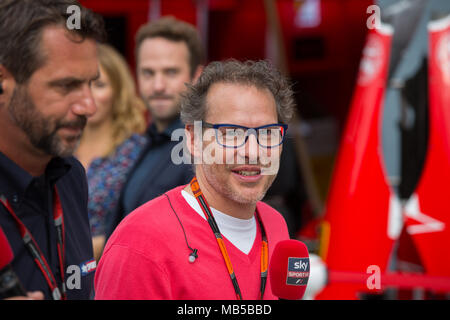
(235, 136)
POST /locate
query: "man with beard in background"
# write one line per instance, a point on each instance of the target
(169, 55)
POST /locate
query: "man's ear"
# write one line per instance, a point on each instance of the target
(7, 84)
(193, 142)
(197, 74)
(1, 79)
(189, 134)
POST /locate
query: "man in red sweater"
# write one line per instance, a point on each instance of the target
(213, 238)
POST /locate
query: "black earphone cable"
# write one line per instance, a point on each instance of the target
(194, 251)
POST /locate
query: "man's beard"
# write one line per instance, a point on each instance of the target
(41, 131)
(174, 110)
(229, 192)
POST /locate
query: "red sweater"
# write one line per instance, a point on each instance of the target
(147, 257)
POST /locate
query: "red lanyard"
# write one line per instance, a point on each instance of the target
(36, 252)
(212, 223)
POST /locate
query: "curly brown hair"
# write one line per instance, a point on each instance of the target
(260, 74)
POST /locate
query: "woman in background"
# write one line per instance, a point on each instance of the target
(111, 140)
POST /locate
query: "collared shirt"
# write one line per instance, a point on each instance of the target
(153, 174)
(147, 173)
(32, 201)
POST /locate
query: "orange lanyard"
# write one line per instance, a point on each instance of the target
(212, 223)
(36, 252)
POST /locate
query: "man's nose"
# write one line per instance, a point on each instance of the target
(85, 105)
(250, 150)
(159, 83)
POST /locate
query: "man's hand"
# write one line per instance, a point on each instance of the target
(34, 295)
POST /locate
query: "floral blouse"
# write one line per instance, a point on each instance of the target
(106, 177)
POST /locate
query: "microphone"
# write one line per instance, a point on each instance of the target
(289, 270)
(10, 285)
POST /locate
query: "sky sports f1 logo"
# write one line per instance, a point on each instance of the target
(88, 267)
(298, 271)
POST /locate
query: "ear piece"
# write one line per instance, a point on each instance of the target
(193, 256)
(1, 89)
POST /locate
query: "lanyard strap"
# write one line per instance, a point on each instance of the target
(36, 252)
(212, 223)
